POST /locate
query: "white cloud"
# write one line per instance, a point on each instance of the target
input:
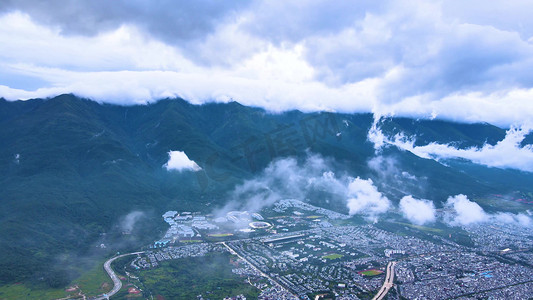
(365, 198)
(519, 219)
(417, 211)
(289, 179)
(122, 49)
(390, 175)
(422, 58)
(507, 153)
(462, 211)
(128, 222)
(179, 161)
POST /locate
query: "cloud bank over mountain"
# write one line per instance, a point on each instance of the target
(507, 153)
(426, 59)
(289, 178)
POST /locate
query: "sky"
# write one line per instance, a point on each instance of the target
(468, 62)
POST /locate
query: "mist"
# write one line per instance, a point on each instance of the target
(389, 174)
(129, 221)
(289, 178)
(507, 153)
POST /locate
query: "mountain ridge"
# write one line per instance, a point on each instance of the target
(72, 167)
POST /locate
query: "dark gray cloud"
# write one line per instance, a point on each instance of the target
(419, 58)
(508, 15)
(472, 58)
(428, 52)
(174, 22)
(345, 41)
(294, 21)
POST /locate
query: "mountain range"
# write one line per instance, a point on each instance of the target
(74, 169)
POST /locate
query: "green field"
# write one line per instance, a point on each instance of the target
(91, 283)
(95, 281)
(220, 234)
(333, 256)
(370, 272)
(21, 291)
(423, 228)
(186, 278)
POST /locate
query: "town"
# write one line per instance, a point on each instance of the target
(295, 250)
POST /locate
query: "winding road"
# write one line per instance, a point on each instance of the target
(117, 284)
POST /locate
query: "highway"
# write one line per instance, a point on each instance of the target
(387, 285)
(255, 268)
(117, 284)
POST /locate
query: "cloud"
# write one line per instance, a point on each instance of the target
(507, 153)
(313, 180)
(285, 179)
(391, 175)
(289, 178)
(519, 219)
(462, 211)
(178, 161)
(417, 211)
(365, 198)
(128, 222)
(411, 58)
(171, 21)
(376, 136)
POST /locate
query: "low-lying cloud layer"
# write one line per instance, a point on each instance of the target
(462, 211)
(507, 153)
(417, 211)
(179, 161)
(419, 58)
(288, 178)
(365, 198)
(390, 174)
(128, 222)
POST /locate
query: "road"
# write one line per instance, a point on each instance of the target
(387, 285)
(255, 268)
(117, 284)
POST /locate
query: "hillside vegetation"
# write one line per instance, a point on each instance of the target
(73, 168)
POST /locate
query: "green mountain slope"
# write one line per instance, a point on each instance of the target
(72, 168)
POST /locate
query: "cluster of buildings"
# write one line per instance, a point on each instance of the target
(459, 274)
(285, 204)
(185, 225)
(497, 236)
(285, 261)
(305, 262)
(151, 259)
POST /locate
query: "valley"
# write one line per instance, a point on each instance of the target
(83, 181)
(308, 251)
